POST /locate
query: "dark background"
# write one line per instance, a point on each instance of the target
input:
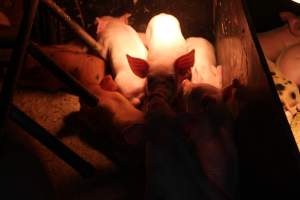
(264, 13)
(194, 15)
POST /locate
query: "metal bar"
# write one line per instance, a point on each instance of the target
(74, 84)
(17, 60)
(84, 168)
(7, 43)
(90, 41)
(8, 36)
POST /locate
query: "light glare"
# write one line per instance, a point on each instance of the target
(169, 30)
(297, 1)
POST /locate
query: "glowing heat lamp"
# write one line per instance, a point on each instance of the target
(297, 1)
(169, 30)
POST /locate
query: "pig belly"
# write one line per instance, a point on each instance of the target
(289, 63)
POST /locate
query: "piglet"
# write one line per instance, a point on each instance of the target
(124, 113)
(205, 69)
(117, 40)
(289, 63)
(86, 68)
(276, 40)
(114, 126)
(168, 54)
(208, 125)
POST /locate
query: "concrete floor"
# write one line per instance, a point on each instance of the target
(28, 170)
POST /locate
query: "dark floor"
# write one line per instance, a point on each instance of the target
(28, 170)
(22, 174)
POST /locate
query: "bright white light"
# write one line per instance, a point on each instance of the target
(297, 1)
(168, 28)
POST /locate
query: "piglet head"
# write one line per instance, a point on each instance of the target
(182, 66)
(203, 97)
(102, 22)
(162, 87)
(293, 22)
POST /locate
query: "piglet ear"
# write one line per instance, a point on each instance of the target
(184, 63)
(107, 83)
(99, 24)
(229, 91)
(293, 22)
(124, 18)
(139, 66)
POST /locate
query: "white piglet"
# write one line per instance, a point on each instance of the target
(273, 42)
(118, 39)
(204, 69)
(289, 63)
(167, 50)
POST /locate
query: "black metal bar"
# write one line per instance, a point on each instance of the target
(82, 34)
(7, 43)
(74, 84)
(17, 60)
(8, 36)
(84, 168)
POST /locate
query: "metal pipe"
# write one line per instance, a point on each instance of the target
(90, 41)
(73, 84)
(17, 60)
(84, 168)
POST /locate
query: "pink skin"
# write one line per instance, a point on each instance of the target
(205, 69)
(122, 120)
(112, 100)
(194, 94)
(117, 40)
(289, 63)
(216, 151)
(87, 69)
(276, 40)
(143, 38)
(165, 44)
(109, 84)
(215, 146)
(165, 57)
(102, 22)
